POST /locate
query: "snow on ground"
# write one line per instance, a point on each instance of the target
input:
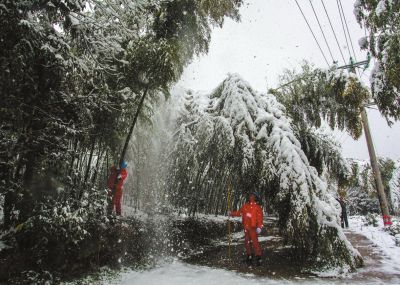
(238, 238)
(179, 273)
(384, 242)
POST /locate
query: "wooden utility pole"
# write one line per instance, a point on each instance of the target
(372, 155)
(375, 169)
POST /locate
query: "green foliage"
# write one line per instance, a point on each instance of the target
(34, 277)
(314, 95)
(381, 19)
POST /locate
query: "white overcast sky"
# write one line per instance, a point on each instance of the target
(273, 36)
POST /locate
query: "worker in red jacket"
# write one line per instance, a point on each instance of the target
(252, 219)
(115, 183)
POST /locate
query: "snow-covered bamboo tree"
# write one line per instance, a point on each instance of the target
(236, 134)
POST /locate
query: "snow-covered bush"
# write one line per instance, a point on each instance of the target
(361, 191)
(57, 228)
(394, 230)
(371, 220)
(34, 277)
(68, 239)
(397, 237)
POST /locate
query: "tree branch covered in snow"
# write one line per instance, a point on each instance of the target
(316, 95)
(244, 139)
(382, 20)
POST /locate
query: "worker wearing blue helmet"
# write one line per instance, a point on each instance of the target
(115, 183)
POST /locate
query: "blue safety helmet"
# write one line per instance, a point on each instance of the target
(257, 195)
(123, 164)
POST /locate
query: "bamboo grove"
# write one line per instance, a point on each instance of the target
(73, 74)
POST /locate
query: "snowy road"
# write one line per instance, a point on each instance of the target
(382, 263)
(179, 273)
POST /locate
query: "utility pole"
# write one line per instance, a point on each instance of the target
(372, 154)
(375, 169)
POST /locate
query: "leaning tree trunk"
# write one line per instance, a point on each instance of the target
(128, 138)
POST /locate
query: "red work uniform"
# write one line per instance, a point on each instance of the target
(252, 218)
(117, 192)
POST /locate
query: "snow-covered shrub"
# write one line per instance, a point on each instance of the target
(397, 241)
(69, 238)
(361, 191)
(394, 230)
(34, 277)
(56, 228)
(371, 220)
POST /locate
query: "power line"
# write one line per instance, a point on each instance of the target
(305, 19)
(344, 23)
(347, 28)
(322, 31)
(333, 30)
(344, 29)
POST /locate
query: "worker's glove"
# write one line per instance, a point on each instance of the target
(119, 176)
(258, 231)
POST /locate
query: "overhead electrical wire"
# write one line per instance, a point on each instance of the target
(333, 31)
(347, 28)
(322, 31)
(344, 29)
(344, 24)
(319, 46)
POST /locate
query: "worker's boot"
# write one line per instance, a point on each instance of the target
(249, 259)
(258, 260)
